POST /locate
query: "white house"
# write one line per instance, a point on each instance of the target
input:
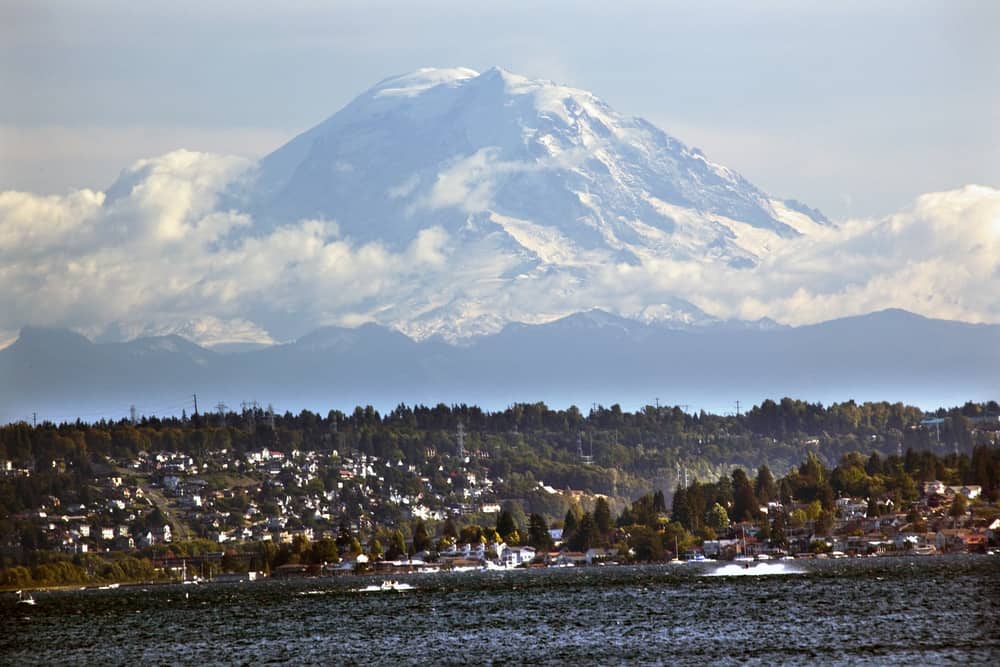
(970, 491)
(514, 556)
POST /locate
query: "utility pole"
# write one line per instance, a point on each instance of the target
(250, 410)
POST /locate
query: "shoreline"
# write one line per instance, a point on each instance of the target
(710, 562)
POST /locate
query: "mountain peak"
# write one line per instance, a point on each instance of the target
(534, 178)
(416, 82)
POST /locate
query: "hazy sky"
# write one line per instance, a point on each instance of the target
(850, 107)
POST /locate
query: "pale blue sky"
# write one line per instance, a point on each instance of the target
(850, 107)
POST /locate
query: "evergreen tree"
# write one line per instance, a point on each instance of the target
(697, 500)
(778, 526)
(421, 540)
(569, 525)
(746, 507)
(375, 549)
(874, 464)
(679, 511)
(765, 488)
(344, 537)
(585, 535)
(959, 507)
(505, 524)
(449, 531)
(602, 514)
(397, 545)
(659, 503)
(538, 533)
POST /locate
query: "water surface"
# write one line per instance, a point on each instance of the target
(929, 610)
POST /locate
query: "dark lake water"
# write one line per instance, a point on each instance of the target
(915, 611)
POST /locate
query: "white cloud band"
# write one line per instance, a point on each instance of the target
(157, 249)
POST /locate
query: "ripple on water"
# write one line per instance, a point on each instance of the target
(871, 611)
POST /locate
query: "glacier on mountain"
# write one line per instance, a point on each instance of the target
(535, 187)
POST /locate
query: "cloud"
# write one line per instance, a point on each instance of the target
(156, 248)
(939, 258)
(469, 183)
(158, 253)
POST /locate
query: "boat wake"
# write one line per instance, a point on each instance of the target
(753, 570)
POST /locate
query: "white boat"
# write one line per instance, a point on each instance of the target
(389, 585)
(396, 586)
(25, 598)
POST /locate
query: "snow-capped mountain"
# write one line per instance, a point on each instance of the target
(523, 194)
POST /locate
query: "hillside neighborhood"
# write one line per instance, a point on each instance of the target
(300, 510)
